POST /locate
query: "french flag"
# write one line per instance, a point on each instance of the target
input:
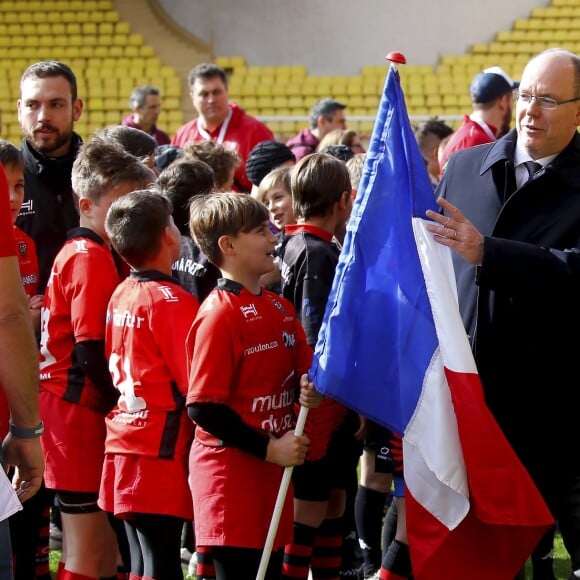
(393, 348)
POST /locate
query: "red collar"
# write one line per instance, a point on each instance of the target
(294, 229)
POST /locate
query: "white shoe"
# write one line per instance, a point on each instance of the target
(192, 566)
(185, 555)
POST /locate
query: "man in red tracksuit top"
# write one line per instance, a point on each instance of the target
(219, 121)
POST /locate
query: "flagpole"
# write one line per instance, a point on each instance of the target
(280, 500)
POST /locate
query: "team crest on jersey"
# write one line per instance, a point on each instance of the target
(26, 208)
(81, 246)
(168, 294)
(279, 306)
(249, 311)
(22, 248)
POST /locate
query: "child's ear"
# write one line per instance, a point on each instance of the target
(168, 236)
(344, 198)
(85, 206)
(226, 245)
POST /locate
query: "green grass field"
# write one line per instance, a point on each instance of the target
(561, 562)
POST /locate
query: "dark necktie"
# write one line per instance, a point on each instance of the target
(532, 168)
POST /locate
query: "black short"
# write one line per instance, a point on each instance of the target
(387, 446)
(313, 480)
(77, 502)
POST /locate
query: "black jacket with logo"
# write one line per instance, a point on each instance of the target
(49, 210)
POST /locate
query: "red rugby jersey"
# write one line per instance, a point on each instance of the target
(7, 244)
(248, 353)
(81, 282)
(28, 261)
(148, 320)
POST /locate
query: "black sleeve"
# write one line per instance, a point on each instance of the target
(90, 355)
(225, 424)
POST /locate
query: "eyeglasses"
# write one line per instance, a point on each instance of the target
(547, 103)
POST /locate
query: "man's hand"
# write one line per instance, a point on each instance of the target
(456, 232)
(26, 456)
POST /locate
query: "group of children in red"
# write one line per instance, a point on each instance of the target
(160, 410)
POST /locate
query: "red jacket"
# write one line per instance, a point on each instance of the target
(244, 132)
(468, 135)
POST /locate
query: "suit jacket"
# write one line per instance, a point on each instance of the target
(522, 305)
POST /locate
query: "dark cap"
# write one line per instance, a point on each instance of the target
(491, 84)
(341, 152)
(165, 155)
(264, 157)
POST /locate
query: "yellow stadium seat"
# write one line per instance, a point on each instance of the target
(172, 91)
(296, 102)
(297, 71)
(110, 16)
(106, 28)
(95, 104)
(131, 51)
(237, 61)
(96, 117)
(135, 40)
(283, 71)
(89, 28)
(100, 51)
(175, 116)
(371, 101)
(222, 61)
(171, 103)
(122, 28)
(146, 51)
(72, 28)
(120, 40)
(264, 102)
(113, 117)
(479, 48)
(274, 126)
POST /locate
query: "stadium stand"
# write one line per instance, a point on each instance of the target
(110, 59)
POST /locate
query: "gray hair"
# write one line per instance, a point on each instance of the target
(324, 108)
(139, 94)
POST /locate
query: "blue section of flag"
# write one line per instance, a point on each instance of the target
(378, 335)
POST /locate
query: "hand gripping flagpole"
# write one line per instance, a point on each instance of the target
(280, 500)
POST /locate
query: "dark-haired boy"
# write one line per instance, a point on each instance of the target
(249, 352)
(180, 183)
(148, 431)
(322, 201)
(76, 391)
